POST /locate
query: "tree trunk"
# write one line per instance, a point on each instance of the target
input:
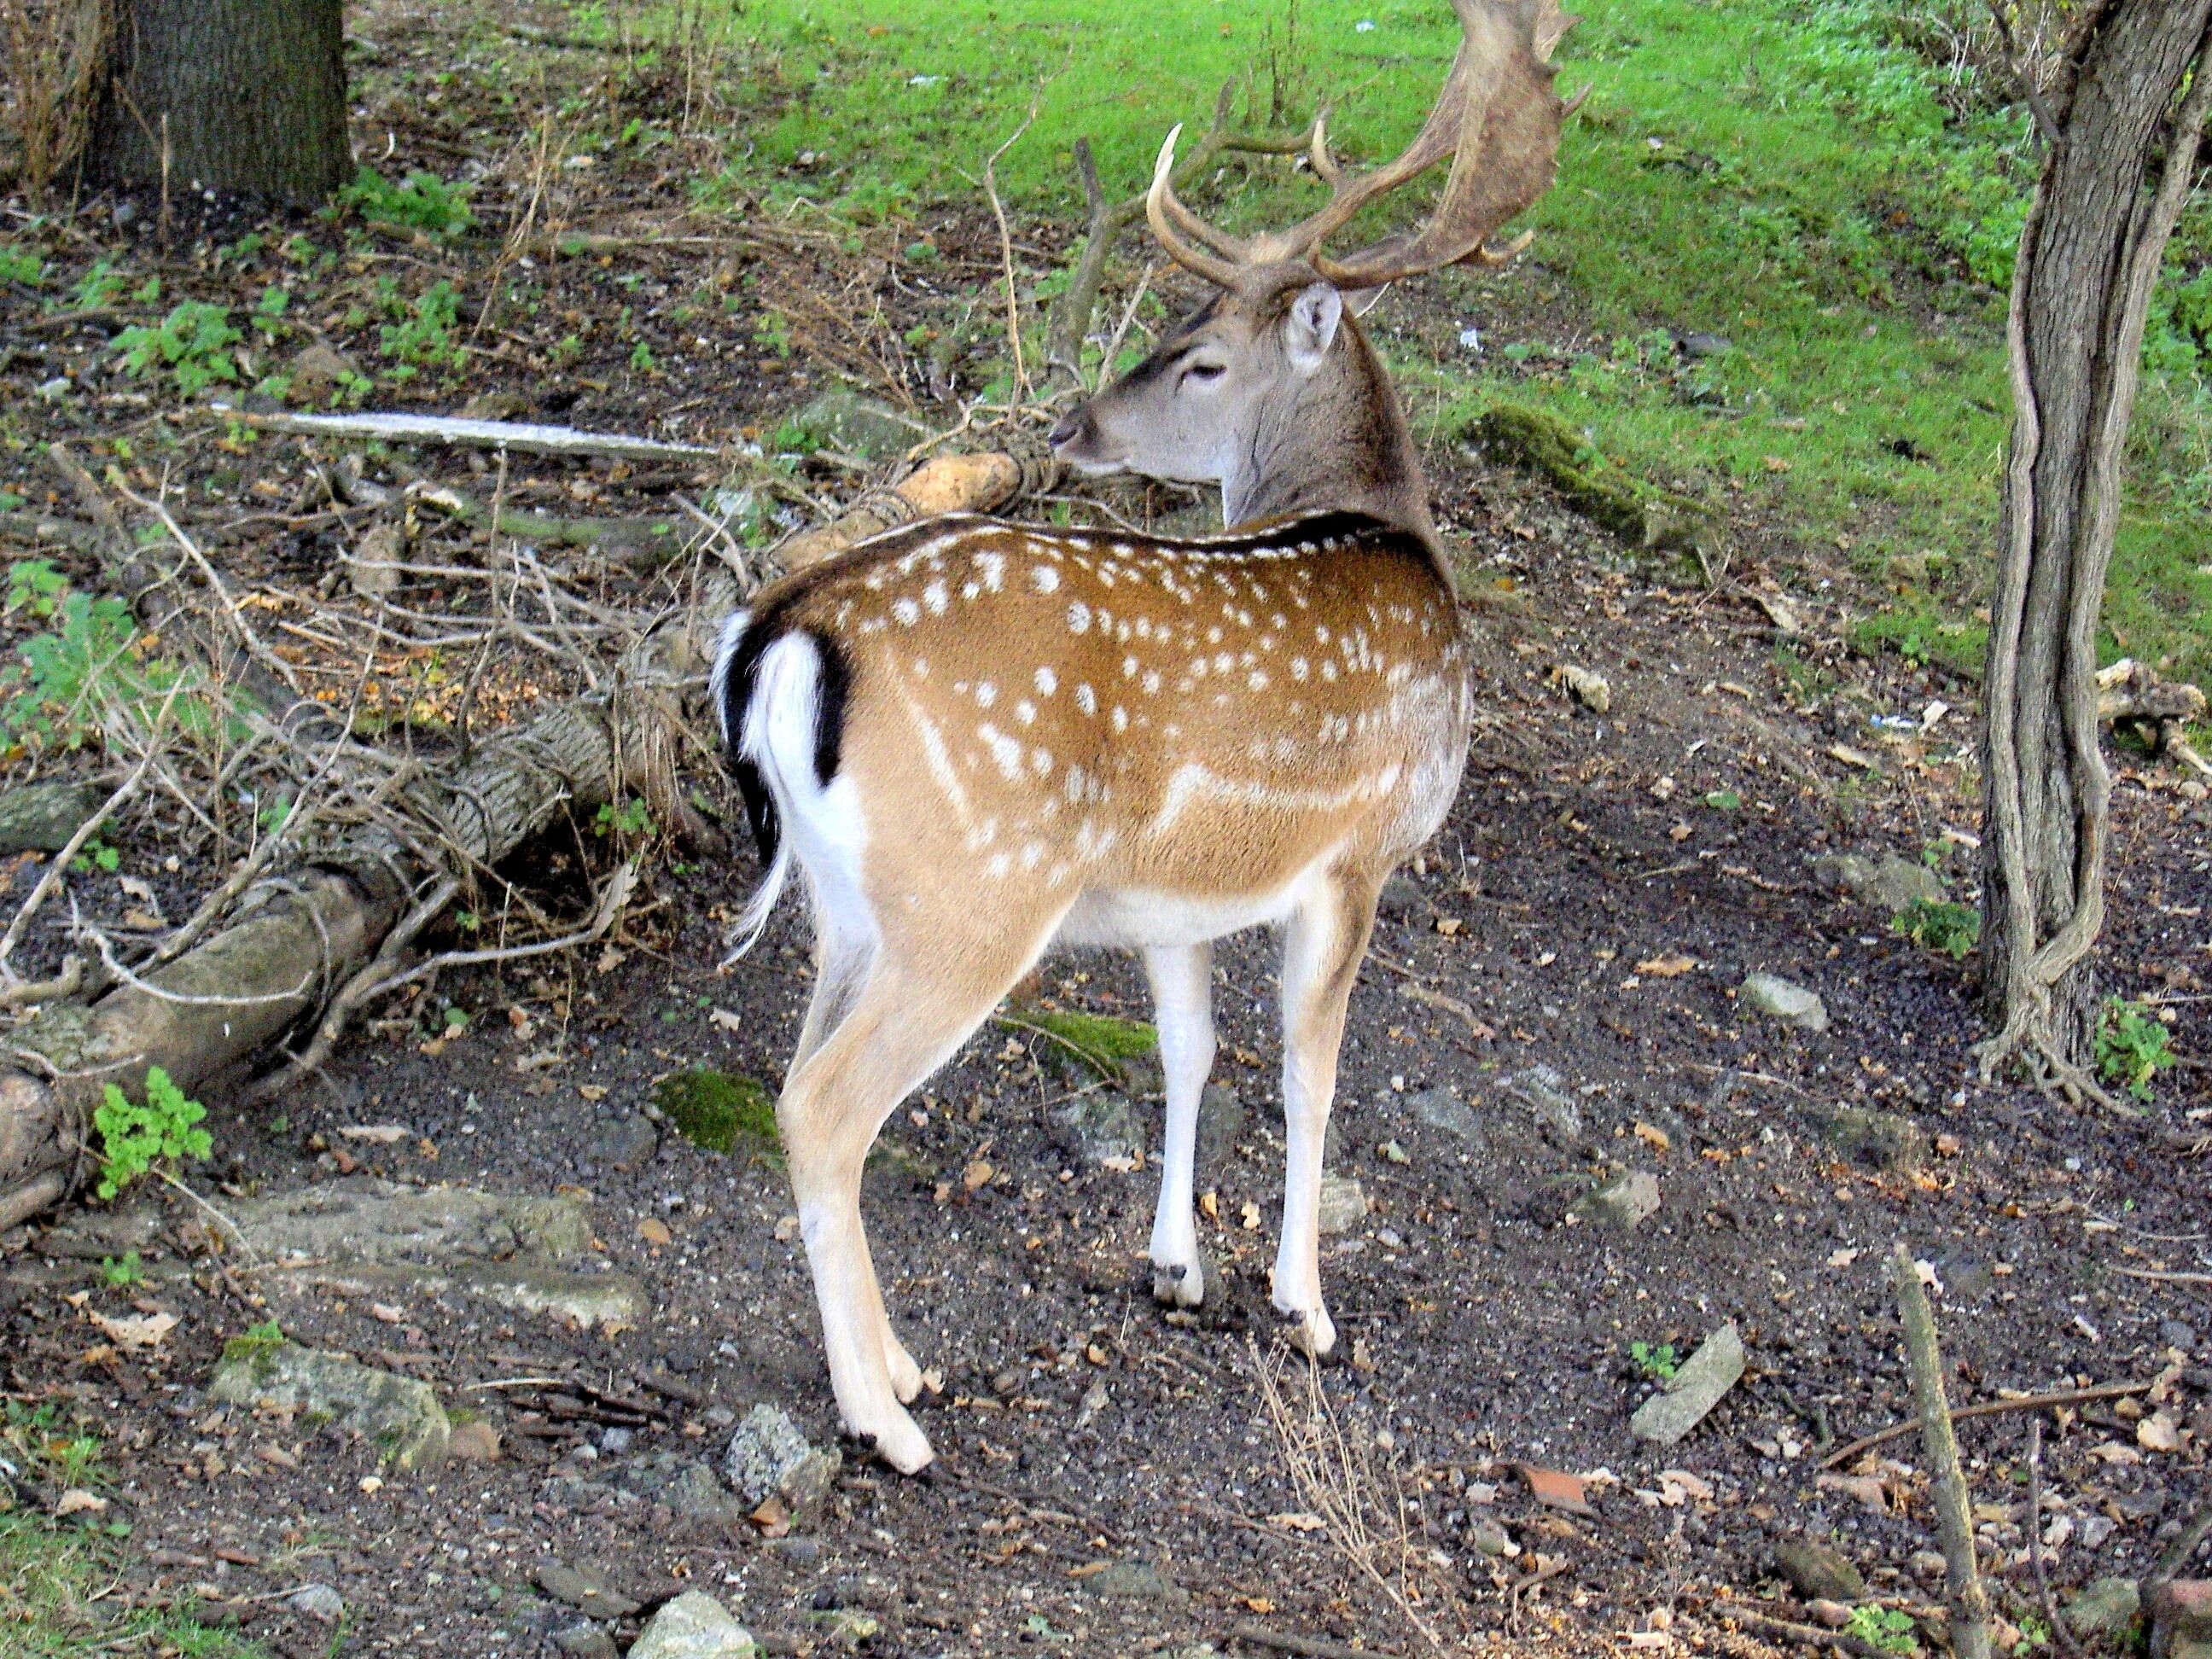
(2112, 188)
(245, 95)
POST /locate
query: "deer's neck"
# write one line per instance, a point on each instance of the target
(1341, 443)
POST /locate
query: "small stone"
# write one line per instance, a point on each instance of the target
(1816, 1571)
(495, 405)
(2177, 1334)
(842, 418)
(2106, 1607)
(395, 1413)
(40, 817)
(1098, 1126)
(1793, 1005)
(1887, 1140)
(1833, 1613)
(1624, 1203)
(1136, 1581)
(615, 1441)
(1699, 344)
(1401, 898)
(584, 1588)
(317, 1602)
(473, 1442)
(1927, 1565)
(693, 1627)
(1887, 885)
(769, 1456)
(625, 1142)
(796, 1548)
(1222, 1121)
(586, 1641)
(1692, 1391)
(1343, 1204)
(318, 372)
(1544, 1093)
(1440, 1109)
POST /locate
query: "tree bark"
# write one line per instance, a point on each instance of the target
(2112, 187)
(245, 96)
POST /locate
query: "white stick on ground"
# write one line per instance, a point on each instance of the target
(523, 436)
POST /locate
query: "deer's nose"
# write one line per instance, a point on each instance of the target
(1071, 428)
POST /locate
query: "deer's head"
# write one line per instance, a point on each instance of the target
(1269, 389)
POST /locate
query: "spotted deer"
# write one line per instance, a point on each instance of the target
(975, 740)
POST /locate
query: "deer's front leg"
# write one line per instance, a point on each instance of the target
(1321, 960)
(1181, 981)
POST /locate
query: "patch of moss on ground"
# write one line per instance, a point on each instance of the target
(720, 1111)
(1098, 1045)
(1541, 442)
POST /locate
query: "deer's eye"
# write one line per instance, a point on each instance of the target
(1204, 373)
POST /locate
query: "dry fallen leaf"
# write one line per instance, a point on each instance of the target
(723, 1019)
(1557, 1488)
(1259, 1604)
(2158, 1432)
(1298, 1521)
(1653, 1136)
(133, 1333)
(1209, 1205)
(77, 1501)
(1672, 965)
(1250, 1215)
(592, 1090)
(1865, 1488)
(653, 1230)
(976, 1174)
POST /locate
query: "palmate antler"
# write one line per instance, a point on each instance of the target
(1496, 118)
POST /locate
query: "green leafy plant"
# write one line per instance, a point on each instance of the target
(134, 1136)
(269, 311)
(773, 331)
(421, 200)
(99, 287)
(425, 335)
(629, 819)
(721, 1111)
(1724, 800)
(2132, 1047)
(98, 855)
(1659, 1363)
(193, 342)
(20, 264)
(52, 695)
(641, 357)
(1939, 925)
(254, 1341)
(123, 1274)
(1890, 1629)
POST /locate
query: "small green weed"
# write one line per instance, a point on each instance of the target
(629, 819)
(19, 265)
(123, 1274)
(1659, 1363)
(193, 342)
(641, 358)
(720, 1111)
(1724, 800)
(2132, 1045)
(421, 200)
(425, 336)
(98, 855)
(1939, 925)
(772, 332)
(134, 1137)
(53, 695)
(1890, 1629)
(99, 287)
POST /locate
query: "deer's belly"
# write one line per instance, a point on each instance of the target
(1131, 918)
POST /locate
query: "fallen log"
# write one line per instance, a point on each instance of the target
(306, 935)
(950, 483)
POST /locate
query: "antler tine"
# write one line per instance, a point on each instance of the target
(1171, 222)
(1498, 119)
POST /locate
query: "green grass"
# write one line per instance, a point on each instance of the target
(1772, 171)
(721, 1111)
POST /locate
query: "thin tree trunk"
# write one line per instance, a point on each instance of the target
(2112, 188)
(245, 95)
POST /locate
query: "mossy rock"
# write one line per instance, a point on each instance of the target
(720, 1111)
(1541, 442)
(1090, 1048)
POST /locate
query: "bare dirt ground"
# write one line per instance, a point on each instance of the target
(1112, 1481)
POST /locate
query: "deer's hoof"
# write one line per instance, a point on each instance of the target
(1312, 1333)
(901, 1444)
(1179, 1285)
(906, 1376)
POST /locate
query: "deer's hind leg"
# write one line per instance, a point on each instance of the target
(917, 1005)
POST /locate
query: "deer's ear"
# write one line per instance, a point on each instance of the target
(1309, 325)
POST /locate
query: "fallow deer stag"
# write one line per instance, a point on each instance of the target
(975, 739)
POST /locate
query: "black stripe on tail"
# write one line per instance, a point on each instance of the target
(738, 685)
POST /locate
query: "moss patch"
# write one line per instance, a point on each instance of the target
(720, 1111)
(1541, 442)
(1096, 1045)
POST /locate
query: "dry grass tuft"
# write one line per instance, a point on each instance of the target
(52, 54)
